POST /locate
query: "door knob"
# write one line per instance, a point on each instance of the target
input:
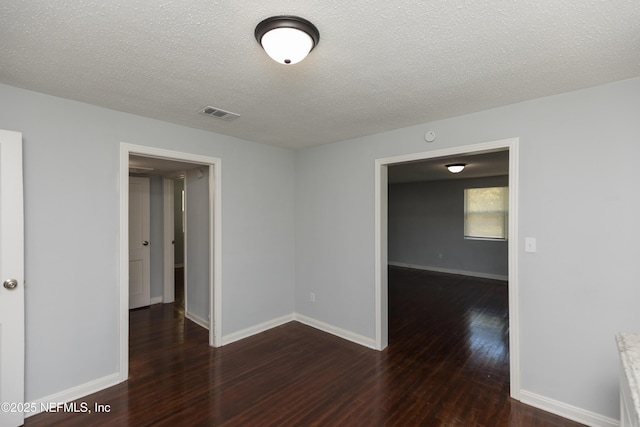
(145, 243)
(10, 284)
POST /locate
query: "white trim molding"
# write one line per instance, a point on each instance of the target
(73, 393)
(296, 317)
(334, 330)
(567, 411)
(215, 241)
(380, 242)
(253, 330)
(450, 271)
(197, 319)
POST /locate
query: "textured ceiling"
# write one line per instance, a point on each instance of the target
(380, 65)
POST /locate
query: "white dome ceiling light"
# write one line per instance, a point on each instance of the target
(287, 39)
(456, 168)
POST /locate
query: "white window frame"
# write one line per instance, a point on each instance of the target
(504, 212)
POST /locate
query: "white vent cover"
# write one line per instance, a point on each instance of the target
(218, 113)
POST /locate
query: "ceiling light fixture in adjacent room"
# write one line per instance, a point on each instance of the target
(287, 39)
(456, 167)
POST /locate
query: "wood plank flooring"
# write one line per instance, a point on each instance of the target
(446, 365)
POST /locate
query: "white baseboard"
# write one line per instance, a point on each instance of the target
(567, 411)
(450, 271)
(74, 393)
(541, 402)
(334, 330)
(253, 330)
(155, 300)
(317, 324)
(198, 320)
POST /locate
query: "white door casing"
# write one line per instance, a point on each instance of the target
(215, 241)
(11, 269)
(168, 245)
(380, 243)
(139, 246)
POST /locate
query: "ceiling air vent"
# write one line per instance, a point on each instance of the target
(218, 113)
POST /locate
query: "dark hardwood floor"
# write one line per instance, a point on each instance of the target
(446, 365)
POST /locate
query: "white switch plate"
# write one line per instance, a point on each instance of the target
(529, 244)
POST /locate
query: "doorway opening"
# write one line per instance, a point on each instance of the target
(204, 175)
(178, 219)
(381, 242)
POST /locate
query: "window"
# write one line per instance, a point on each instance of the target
(486, 213)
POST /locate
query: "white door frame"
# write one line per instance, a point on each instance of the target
(168, 239)
(381, 258)
(215, 241)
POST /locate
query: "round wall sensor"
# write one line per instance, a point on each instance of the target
(430, 136)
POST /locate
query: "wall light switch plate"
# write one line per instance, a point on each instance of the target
(530, 244)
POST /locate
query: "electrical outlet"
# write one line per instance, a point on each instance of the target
(312, 297)
(530, 244)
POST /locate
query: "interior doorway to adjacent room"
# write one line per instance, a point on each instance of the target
(200, 208)
(381, 241)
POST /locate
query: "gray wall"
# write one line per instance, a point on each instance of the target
(578, 186)
(72, 235)
(426, 228)
(578, 196)
(156, 236)
(197, 243)
(178, 234)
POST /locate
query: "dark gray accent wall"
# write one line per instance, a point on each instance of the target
(426, 228)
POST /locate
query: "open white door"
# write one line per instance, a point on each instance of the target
(12, 276)
(139, 247)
